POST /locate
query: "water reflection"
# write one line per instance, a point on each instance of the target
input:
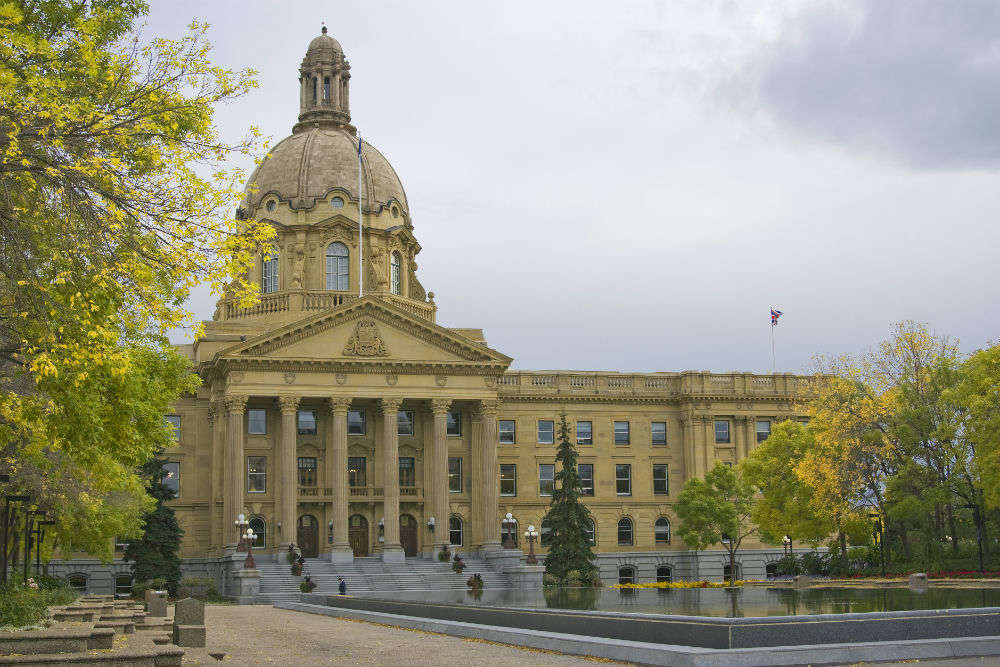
(750, 601)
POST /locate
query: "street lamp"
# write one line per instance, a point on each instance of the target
(39, 538)
(381, 530)
(249, 537)
(508, 524)
(241, 523)
(430, 524)
(879, 533)
(531, 534)
(8, 519)
(786, 542)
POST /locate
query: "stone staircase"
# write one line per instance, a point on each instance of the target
(370, 575)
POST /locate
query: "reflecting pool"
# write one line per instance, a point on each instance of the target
(750, 601)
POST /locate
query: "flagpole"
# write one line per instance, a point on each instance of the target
(773, 365)
(361, 241)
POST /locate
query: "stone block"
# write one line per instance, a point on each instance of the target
(189, 635)
(189, 611)
(918, 580)
(156, 603)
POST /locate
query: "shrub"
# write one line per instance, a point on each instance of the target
(201, 588)
(458, 565)
(296, 570)
(813, 562)
(307, 585)
(291, 556)
(475, 581)
(549, 580)
(21, 606)
(444, 555)
(139, 589)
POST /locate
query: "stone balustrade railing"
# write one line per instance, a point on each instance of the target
(311, 301)
(359, 492)
(517, 383)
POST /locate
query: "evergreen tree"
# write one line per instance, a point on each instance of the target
(568, 519)
(154, 555)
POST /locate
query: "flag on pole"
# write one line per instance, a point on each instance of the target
(775, 314)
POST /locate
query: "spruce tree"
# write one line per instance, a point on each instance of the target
(154, 555)
(568, 519)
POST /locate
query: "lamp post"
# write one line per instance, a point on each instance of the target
(241, 524)
(786, 541)
(39, 538)
(381, 530)
(879, 532)
(508, 524)
(531, 535)
(249, 537)
(430, 524)
(8, 521)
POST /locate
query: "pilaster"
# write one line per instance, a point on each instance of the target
(489, 490)
(336, 455)
(438, 460)
(392, 551)
(288, 484)
(232, 502)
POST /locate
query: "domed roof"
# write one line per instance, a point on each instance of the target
(310, 164)
(323, 43)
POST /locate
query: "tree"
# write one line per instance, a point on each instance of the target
(568, 519)
(717, 510)
(114, 202)
(154, 555)
(786, 504)
(978, 395)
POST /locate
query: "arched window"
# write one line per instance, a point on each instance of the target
(591, 532)
(662, 530)
(545, 534)
(395, 266)
(626, 574)
(455, 532)
(664, 573)
(78, 581)
(337, 267)
(725, 571)
(269, 274)
(625, 531)
(259, 527)
(315, 88)
(326, 89)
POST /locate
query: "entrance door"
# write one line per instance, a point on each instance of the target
(357, 535)
(408, 534)
(308, 536)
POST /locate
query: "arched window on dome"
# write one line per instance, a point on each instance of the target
(395, 271)
(315, 89)
(269, 273)
(337, 263)
(326, 89)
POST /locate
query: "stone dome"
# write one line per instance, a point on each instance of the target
(310, 165)
(324, 43)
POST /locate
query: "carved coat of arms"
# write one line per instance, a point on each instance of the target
(365, 342)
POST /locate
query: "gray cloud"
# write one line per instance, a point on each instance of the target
(917, 82)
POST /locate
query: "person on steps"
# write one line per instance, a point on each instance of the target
(342, 586)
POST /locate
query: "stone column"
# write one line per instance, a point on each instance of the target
(438, 460)
(708, 451)
(392, 551)
(472, 480)
(742, 444)
(214, 461)
(489, 490)
(232, 501)
(336, 454)
(288, 490)
(335, 94)
(687, 430)
(750, 430)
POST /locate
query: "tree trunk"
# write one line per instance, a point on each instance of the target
(904, 539)
(732, 567)
(953, 529)
(843, 544)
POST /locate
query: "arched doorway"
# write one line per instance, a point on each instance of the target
(357, 535)
(308, 536)
(408, 534)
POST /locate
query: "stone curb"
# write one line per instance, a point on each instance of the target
(676, 656)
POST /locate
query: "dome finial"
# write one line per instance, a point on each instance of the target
(324, 27)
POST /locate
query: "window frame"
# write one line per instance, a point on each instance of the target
(728, 435)
(360, 472)
(453, 475)
(631, 531)
(653, 440)
(628, 433)
(176, 487)
(361, 412)
(261, 541)
(175, 421)
(665, 479)
(592, 533)
(584, 489)
(619, 479)
(251, 413)
(454, 418)
(626, 578)
(590, 430)
(299, 468)
(758, 432)
(452, 531)
(664, 578)
(656, 530)
(551, 432)
(550, 480)
(402, 418)
(512, 480)
(269, 273)
(501, 432)
(256, 474)
(299, 430)
(396, 273)
(412, 468)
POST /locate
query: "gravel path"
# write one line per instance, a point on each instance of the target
(255, 635)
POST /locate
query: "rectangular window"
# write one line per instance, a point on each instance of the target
(586, 472)
(257, 421)
(407, 471)
(256, 474)
(546, 478)
(722, 430)
(455, 422)
(356, 471)
(404, 422)
(175, 422)
(355, 422)
(763, 429)
(508, 479)
(307, 471)
(546, 431)
(623, 479)
(307, 422)
(661, 485)
(172, 476)
(658, 432)
(621, 433)
(269, 277)
(507, 433)
(584, 433)
(455, 474)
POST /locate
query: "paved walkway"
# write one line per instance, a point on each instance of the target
(255, 635)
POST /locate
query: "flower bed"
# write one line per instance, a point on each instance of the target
(686, 584)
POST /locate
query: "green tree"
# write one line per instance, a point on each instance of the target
(155, 554)
(717, 510)
(568, 519)
(785, 505)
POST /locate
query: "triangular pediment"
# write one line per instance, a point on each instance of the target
(368, 330)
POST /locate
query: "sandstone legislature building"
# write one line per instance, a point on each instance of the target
(357, 426)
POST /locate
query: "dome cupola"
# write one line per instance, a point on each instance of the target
(324, 86)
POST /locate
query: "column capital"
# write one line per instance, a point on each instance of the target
(390, 405)
(289, 404)
(440, 405)
(489, 409)
(213, 411)
(339, 405)
(236, 404)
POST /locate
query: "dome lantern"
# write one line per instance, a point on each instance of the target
(324, 86)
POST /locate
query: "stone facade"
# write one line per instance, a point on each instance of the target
(343, 419)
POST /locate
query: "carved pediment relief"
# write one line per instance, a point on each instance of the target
(366, 341)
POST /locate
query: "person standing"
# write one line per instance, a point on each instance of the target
(342, 586)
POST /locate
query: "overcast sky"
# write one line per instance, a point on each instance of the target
(629, 186)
